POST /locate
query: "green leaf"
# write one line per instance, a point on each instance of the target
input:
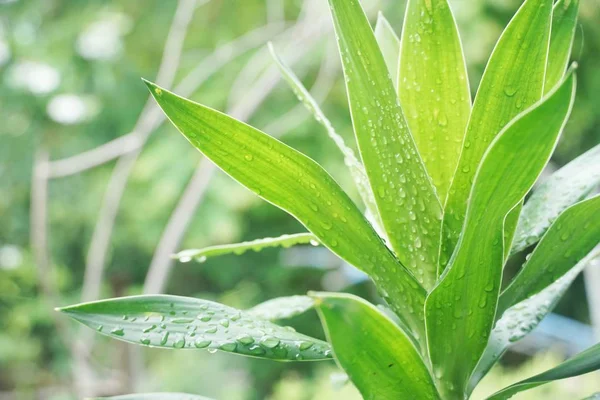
(282, 307)
(584, 362)
(354, 166)
(513, 80)
(568, 185)
(377, 356)
(434, 88)
(522, 318)
(405, 196)
(573, 235)
(389, 44)
(201, 255)
(564, 20)
(183, 322)
(564, 24)
(155, 396)
(466, 297)
(295, 183)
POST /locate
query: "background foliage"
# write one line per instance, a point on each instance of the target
(69, 78)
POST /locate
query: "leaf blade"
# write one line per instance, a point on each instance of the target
(357, 171)
(565, 187)
(378, 357)
(201, 255)
(295, 183)
(567, 241)
(389, 43)
(517, 321)
(282, 307)
(513, 80)
(433, 87)
(564, 24)
(396, 172)
(509, 169)
(582, 363)
(183, 322)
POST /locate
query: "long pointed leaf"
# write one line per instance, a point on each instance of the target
(522, 318)
(406, 198)
(377, 356)
(295, 183)
(564, 19)
(467, 295)
(564, 24)
(389, 43)
(564, 188)
(354, 166)
(573, 235)
(182, 322)
(513, 80)
(434, 88)
(584, 362)
(201, 255)
(282, 307)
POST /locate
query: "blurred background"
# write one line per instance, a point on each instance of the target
(96, 191)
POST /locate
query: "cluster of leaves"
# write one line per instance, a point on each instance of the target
(443, 181)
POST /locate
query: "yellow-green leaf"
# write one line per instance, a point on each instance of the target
(460, 310)
(434, 88)
(513, 80)
(408, 205)
(377, 356)
(297, 184)
(389, 43)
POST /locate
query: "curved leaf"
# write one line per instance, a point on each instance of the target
(564, 24)
(389, 44)
(295, 183)
(377, 356)
(282, 307)
(584, 362)
(522, 318)
(183, 322)
(573, 235)
(354, 166)
(155, 396)
(564, 19)
(565, 187)
(408, 205)
(466, 297)
(513, 80)
(434, 88)
(201, 255)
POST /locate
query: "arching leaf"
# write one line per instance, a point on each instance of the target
(186, 323)
(377, 356)
(201, 255)
(465, 299)
(282, 307)
(301, 187)
(513, 80)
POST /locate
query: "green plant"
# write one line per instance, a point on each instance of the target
(443, 182)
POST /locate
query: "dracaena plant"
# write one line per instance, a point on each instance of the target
(442, 180)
